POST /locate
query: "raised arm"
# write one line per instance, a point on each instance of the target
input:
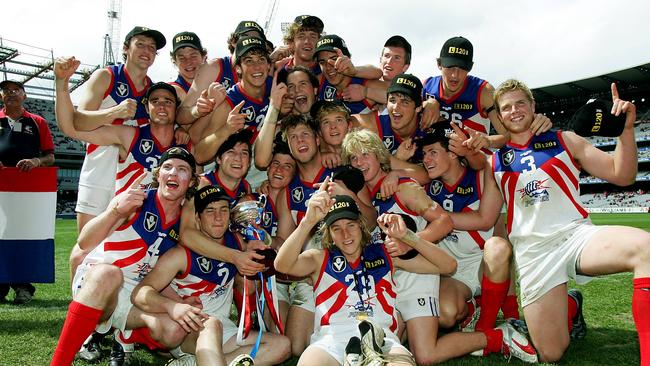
(188, 111)
(263, 145)
(439, 223)
(489, 208)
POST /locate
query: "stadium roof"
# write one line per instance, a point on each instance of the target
(635, 78)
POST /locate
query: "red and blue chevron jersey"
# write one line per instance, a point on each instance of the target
(136, 245)
(464, 196)
(345, 292)
(227, 75)
(143, 156)
(539, 184)
(255, 109)
(209, 279)
(327, 91)
(392, 141)
(299, 191)
(242, 189)
(181, 83)
(464, 107)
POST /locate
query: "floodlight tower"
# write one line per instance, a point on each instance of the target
(267, 21)
(112, 37)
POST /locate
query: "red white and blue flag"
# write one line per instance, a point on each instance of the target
(27, 216)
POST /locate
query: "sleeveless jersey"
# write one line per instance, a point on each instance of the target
(143, 155)
(242, 189)
(539, 184)
(270, 216)
(209, 279)
(315, 68)
(464, 107)
(327, 91)
(100, 163)
(255, 109)
(464, 196)
(345, 291)
(299, 191)
(391, 140)
(227, 74)
(408, 284)
(181, 83)
(136, 245)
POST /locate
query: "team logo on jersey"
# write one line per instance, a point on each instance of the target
(297, 194)
(122, 89)
(435, 188)
(508, 157)
(205, 264)
(389, 141)
(330, 93)
(421, 301)
(146, 145)
(150, 221)
(28, 130)
(533, 192)
(427, 96)
(338, 264)
(267, 218)
(250, 113)
(227, 83)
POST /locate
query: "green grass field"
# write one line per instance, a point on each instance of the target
(28, 333)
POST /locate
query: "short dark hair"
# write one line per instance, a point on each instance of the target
(293, 121)
(299, 68)
(401, 42)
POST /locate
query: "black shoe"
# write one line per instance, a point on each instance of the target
(372, 339)
(119, 357)
(353, 354)
(91, 351)
(579, 326)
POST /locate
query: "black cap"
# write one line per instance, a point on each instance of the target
(247, 26)
(245, 44)
(16, 83)
(158, 37)
(457, 52)
(186, 39)
(438, 132)
(208, 194)
(310, 21)
(329, 43)
(407, 84)
(400, 41)
(344, 207)
(350, 176)
(162, 85)
(178, 153)
(595, 119)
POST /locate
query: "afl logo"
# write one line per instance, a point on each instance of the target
(122, 89)
(508, 157)
(389, 141)
(338, 264)
(150, 221)
(205, 265)
(297, 194)
(146, 146)
(436, 187)
(330, 93)
(250, 113)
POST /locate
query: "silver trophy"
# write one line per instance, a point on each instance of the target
(246, 218)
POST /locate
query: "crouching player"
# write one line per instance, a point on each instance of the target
(211, 333)
(552, 237)
(136, 229)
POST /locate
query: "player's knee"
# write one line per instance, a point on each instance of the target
(449, 315)
(552, 351)
(214, 325)
(425, 355)
(170, 334)
(642, 253)
(497, 251)
(282, 347)
(107, 278)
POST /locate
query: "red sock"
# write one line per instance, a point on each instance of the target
(79, 323)
(510, 308)
(572, 310)
(493, 295)
(494, 340)
(640, 306)
(142, 336)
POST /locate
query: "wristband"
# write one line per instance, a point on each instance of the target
(410, 238)
(409, 255)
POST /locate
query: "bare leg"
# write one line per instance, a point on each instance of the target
(274, 348)
(547, 324)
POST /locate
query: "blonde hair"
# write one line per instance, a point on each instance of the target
(511, 85)
(328, 243)
(360, 141)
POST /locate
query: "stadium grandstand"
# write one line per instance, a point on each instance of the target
(32, 66)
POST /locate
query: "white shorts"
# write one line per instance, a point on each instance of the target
(334, 342)
(122, 308)
(93, 200)
(417, 294)
(298, 294)
(468, 271)
(539, 274)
